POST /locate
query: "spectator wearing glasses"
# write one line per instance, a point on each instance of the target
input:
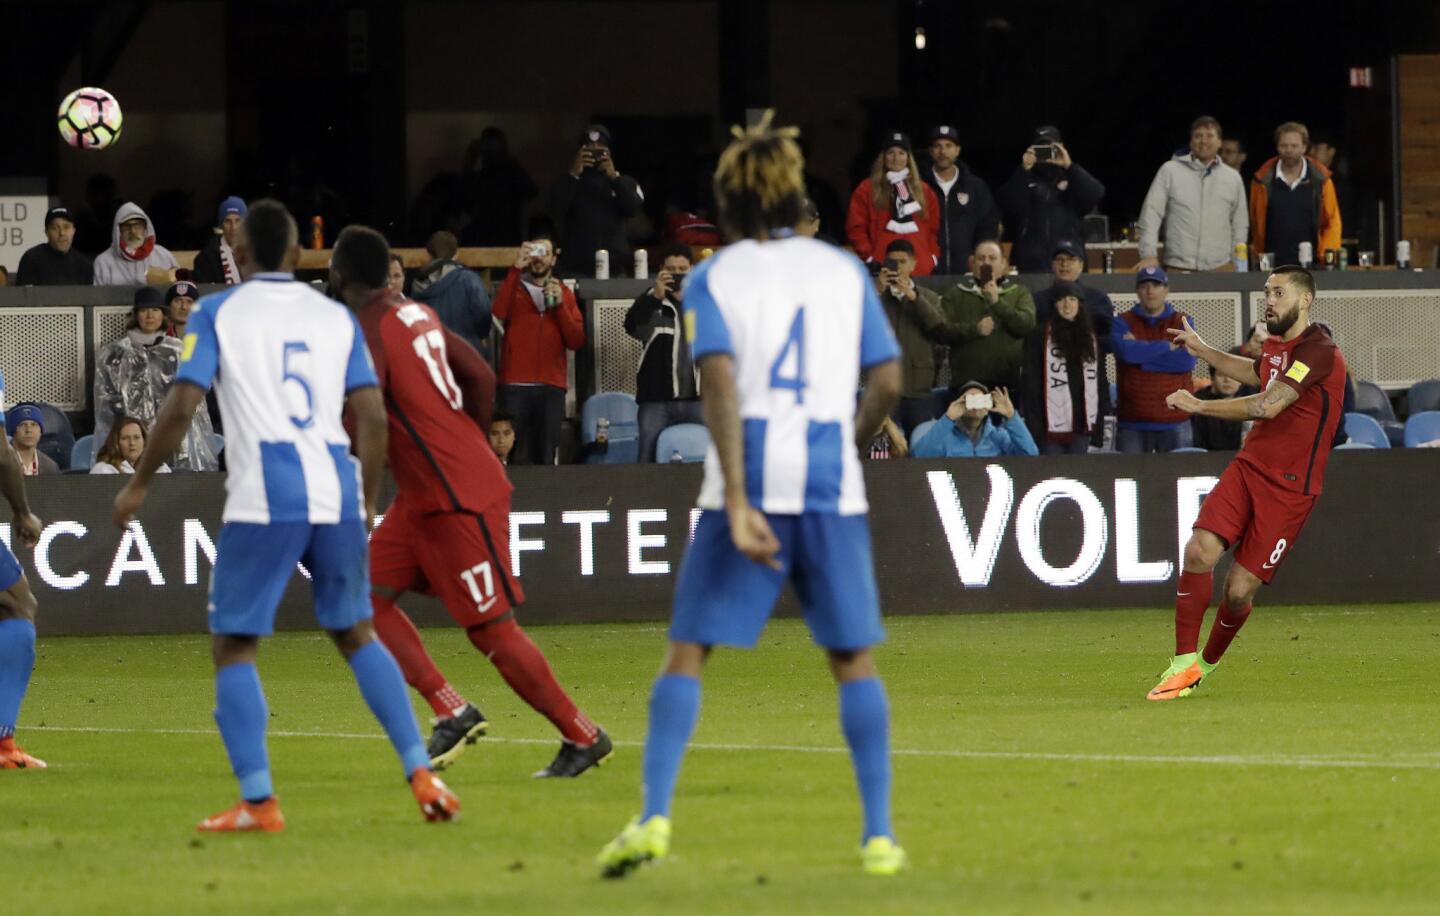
(967, 210)
(894, 203)
(667, 387)
(134, 258)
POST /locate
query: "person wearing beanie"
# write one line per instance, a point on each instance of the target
(55, 262)
(216, 261)
(133, 374)
(179, 300)
(25, 424)
(894, 203)
(590, 206)
(1045, 200)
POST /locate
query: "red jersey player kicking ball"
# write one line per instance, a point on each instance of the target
(447, 532)
(1268, 491)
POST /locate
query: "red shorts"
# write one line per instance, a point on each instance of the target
(1256, 516)
(462, 558)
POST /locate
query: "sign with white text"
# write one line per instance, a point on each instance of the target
(22, 221)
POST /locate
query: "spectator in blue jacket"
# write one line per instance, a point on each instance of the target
(456, 293)
(966, 431)
(1148, 368)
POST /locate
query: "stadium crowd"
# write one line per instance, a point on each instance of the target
(989, 368)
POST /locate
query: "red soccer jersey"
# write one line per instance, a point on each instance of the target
(440, 456)
(1293, 448)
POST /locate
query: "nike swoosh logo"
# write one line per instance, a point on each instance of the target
(482, 608)
(1182, 594)
(1226, 625)
(1267, 565)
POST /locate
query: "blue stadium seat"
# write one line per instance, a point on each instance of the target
(1371, 400)
(1422, 427)
(919, 432)
(1362, 428)
(58, 438)
(689, 440)
(1188, 448)
(939, 401)
(82, 454)
(1354, 445)
(617, 407)
(1424, 396)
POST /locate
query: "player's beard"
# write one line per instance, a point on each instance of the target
(1283, 323)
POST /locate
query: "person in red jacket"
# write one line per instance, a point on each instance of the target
(894, 203)
(542, 320)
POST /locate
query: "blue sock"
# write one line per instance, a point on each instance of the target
(242, 715)
(674, 707)
(385, 693)
(17, 660)
(865, 719)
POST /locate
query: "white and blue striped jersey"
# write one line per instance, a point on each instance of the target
(801, 319)
(283, 358)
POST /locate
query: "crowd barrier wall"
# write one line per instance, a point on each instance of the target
(1387, 323)
(604, 543)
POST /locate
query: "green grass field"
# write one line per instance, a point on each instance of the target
(1030, 775)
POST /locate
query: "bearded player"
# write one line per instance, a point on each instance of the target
(447, 532)
(1269, 490)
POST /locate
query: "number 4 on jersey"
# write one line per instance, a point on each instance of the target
(794, 343)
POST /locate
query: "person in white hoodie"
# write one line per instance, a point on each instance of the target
(1201, 203)
(133, 250)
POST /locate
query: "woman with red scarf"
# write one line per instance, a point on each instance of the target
(894, 203)
(132, 252)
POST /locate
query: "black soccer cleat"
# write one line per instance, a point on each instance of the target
(574, 759)
(453, 735)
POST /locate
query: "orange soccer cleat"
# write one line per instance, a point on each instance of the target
(13, 757)
(436, 800)
(1179, 680)
(243, 816)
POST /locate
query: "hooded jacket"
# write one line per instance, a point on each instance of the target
(1202, 209)
(131, 378)
(1043, 206)
(533, 352)
(113, 267)
(457, 294)
(1326, 204)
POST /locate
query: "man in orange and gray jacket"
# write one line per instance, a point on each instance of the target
(1292, 200)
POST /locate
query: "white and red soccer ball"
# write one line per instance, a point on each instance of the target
(89, 118)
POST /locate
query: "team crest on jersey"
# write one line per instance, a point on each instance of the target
(963, 197)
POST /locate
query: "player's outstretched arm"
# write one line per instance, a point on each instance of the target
(883, 384)
(12, 485)
(171, 424)
(1267, 405)
(721, 404)
(372, 435)
(1240, 368)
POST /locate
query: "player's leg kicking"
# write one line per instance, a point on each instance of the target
(17, 658)
(463, 560)
(254, 564)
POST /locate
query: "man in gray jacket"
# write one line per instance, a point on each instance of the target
(1201, 203)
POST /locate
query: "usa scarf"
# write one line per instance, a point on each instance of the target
(1059, 407)
(903, 222)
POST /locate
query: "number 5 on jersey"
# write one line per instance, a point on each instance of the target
(794, 343)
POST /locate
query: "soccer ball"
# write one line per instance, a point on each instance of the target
(89, 118)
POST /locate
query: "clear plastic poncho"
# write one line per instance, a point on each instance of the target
(131, 378)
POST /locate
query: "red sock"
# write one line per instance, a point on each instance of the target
(1226, 627)
(398, 634)
(1192, 597)
(525, 669)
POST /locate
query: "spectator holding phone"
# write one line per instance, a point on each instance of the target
(894, 203)
(917, 320)
(1200, 203)
(967, 432)
(967, 210)
(1045, 200)
(667, 387)
(542, 320)
(591, 204)
(987, 315)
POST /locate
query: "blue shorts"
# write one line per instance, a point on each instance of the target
(722, 598)
(254, 563)
(10, 569)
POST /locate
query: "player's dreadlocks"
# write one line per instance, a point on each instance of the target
(759, 183)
